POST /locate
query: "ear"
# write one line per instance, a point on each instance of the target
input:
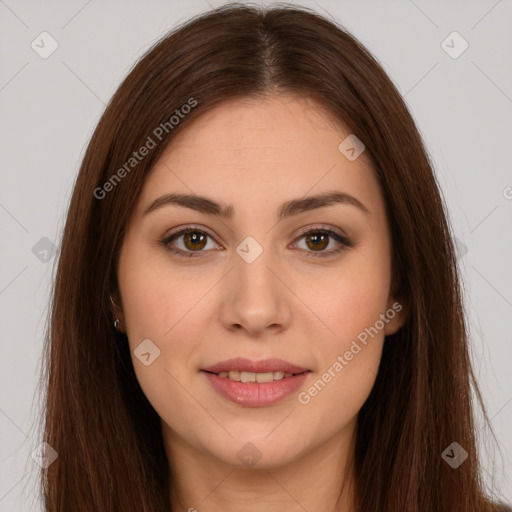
(396, 313)
(397, 306)
(116, 309)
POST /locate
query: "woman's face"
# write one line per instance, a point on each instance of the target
(251, 285)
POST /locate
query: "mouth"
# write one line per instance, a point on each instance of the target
(255, 383)
(260, 377)
(245, 370)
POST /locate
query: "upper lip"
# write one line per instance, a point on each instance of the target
(246, 365)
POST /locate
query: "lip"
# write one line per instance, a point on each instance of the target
(242, 364)
(255, 394)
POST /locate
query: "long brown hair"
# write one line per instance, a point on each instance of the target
(107, 435)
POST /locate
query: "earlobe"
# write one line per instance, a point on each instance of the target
(116, 313)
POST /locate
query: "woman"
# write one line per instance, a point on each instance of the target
(257, 304)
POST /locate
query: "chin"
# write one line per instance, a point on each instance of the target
(257, 453)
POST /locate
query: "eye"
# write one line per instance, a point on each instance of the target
(192, 242)
(318, 239)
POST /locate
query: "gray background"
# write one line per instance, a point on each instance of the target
(49, 107)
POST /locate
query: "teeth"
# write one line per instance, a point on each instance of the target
(247, 377)
(265, 377)
(254, 377)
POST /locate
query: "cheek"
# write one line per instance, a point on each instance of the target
(350, 304)
(335, 396)
(155, 296)
(160, 307)
(163, 303)
(350, 299)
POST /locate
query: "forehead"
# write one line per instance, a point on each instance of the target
(257, 124)
(248, 149)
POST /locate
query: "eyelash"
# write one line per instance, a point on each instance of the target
(344, 242)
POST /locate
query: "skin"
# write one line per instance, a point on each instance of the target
(255, 155)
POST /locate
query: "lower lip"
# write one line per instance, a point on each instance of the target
(255, 394)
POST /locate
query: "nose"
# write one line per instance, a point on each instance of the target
(256, 299)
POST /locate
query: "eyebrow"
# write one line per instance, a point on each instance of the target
(289, 208)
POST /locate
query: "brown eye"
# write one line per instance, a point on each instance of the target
(194, 240)
(188, 242)
(317, 241)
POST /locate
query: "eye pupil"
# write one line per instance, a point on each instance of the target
(317, 243)
(194, 238)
